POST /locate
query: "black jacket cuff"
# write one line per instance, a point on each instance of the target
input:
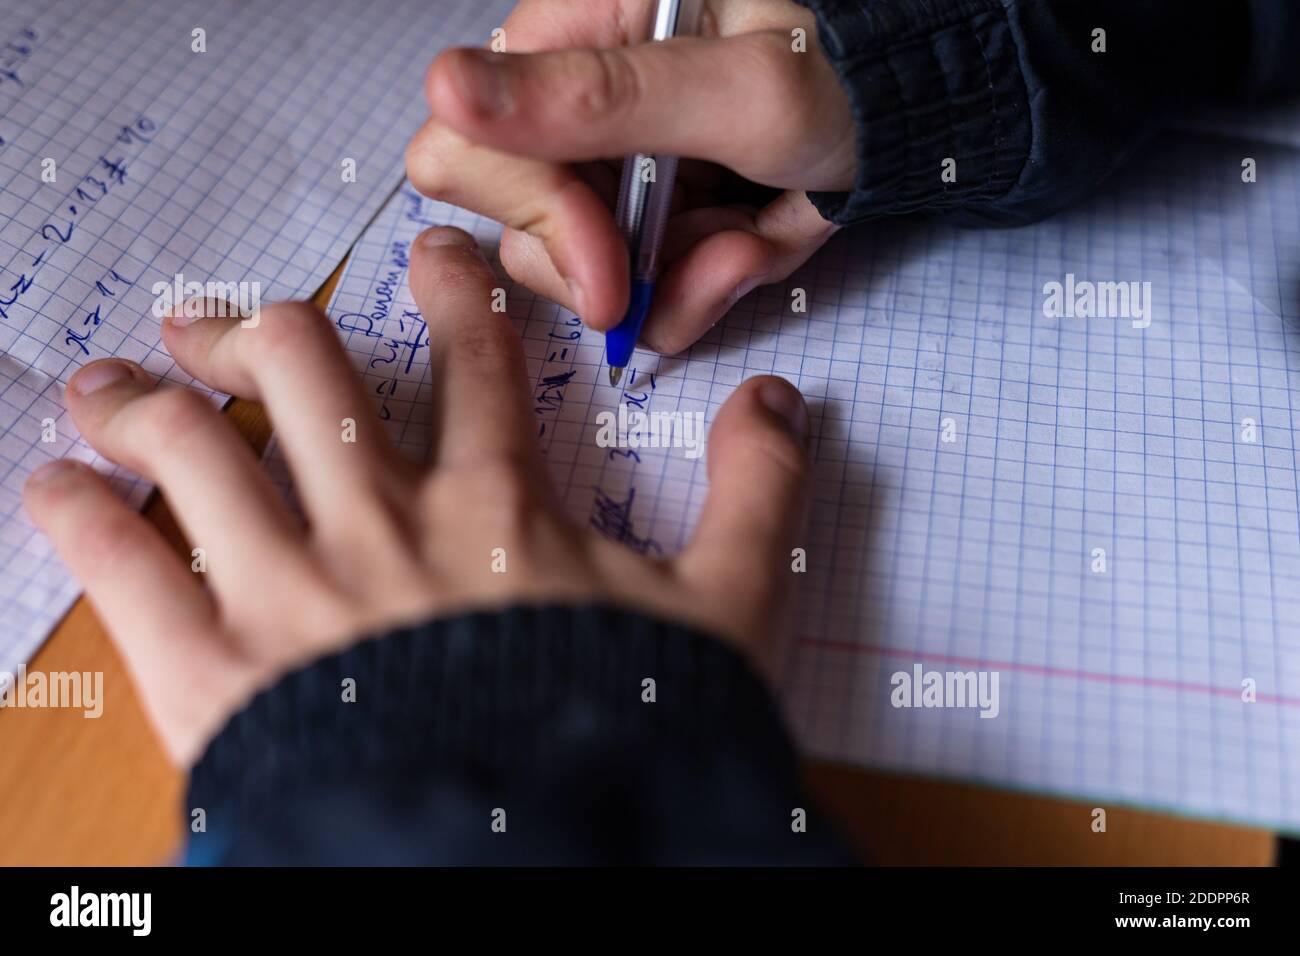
(528, 700)
(928, 82)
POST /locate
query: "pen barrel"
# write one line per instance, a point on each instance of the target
(676, 18)
(647, 188)
(644, 199)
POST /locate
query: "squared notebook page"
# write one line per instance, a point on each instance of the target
(225, 165)
(977, 555)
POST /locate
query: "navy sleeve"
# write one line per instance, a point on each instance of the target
(531, 736)
(1019, 102)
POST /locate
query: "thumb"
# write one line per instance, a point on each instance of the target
(677, 96)
(756, 510)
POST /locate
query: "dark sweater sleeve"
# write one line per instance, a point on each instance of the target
(1014, 94)
(531, 736)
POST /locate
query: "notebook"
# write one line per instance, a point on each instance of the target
(1065, 512)
(139, 141)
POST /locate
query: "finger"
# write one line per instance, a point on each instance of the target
(718, 256)
(290, 359)
(179, 440)
(163, 622)
(756, 508)
(545, 25)
(676, 97)
(528, 262)
(696, 292)
(482, 411)
(141, 589)
(546, 200)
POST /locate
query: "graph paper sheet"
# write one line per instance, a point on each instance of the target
(225, 165)
(1069, 435)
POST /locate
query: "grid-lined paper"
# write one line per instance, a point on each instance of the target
(225, 165)
(1070, 434)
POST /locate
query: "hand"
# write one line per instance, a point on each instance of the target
(507, 129)
(387, 542)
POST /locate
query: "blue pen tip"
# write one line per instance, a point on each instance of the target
(620, 341)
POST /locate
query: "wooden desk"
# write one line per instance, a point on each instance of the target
(101, 792)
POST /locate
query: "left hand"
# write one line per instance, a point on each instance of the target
(388, 543)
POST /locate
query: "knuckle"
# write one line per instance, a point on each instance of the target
(356, 561)
(172, 416)
(325, 612)
(607, 83)
(419, 164)
(503, 482)
(782, 77)
(487, 341)
(431, 161)
(775, 65)
(421, 167)
(496, 498)
(281, 330)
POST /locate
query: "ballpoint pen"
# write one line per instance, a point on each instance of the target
(644, 196)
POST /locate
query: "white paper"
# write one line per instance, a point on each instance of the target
(977, 555)
(223, 165)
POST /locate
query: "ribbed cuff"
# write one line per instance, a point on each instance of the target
(928, 81)
(492, 694)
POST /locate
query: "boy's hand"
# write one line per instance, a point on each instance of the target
(388, 543)
(522, 137)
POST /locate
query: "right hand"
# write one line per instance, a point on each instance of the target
(533, 137)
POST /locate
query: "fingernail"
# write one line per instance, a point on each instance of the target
(51, 470)
(483, 83)
(189, 312)
(99, 374)
(575, 295)
(785, 401)
(744, 289)
(436, 236)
